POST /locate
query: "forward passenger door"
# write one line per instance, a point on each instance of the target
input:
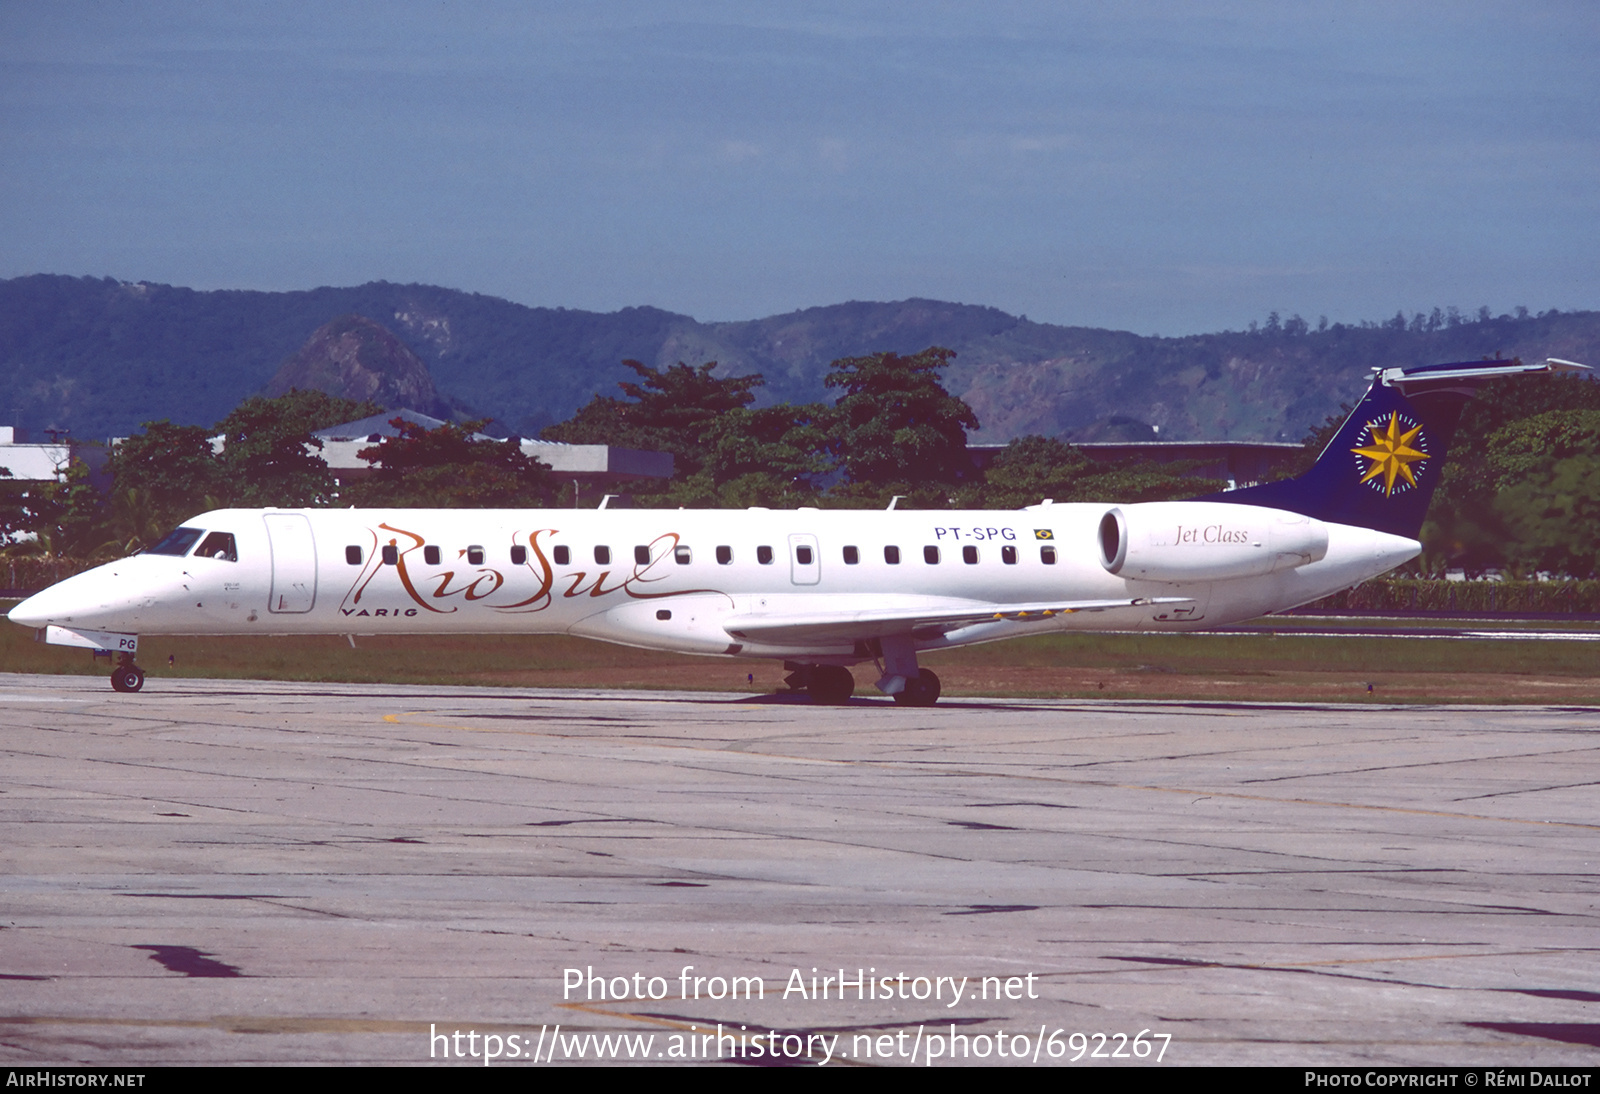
(294, 562)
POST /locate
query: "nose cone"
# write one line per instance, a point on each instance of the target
(32, 612)
(57, 604)
(93, 598)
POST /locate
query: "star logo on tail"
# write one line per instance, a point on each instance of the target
(1391, 450)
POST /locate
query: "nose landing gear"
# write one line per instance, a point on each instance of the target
(127, 676)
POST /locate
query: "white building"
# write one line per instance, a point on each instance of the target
(32, 462)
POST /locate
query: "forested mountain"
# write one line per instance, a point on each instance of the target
(99, 356)
(355, 358)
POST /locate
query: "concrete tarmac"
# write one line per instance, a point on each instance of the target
(246, 872)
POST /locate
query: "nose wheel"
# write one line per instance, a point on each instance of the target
(127, 676)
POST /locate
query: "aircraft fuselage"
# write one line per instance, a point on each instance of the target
(820, 590)
(703, 581)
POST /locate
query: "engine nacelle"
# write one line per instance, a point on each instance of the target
(1206, 540)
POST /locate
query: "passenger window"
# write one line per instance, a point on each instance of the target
(1047, 555)
(391, 555)
(641, 556)
(724, 556)
(474, 556)
(218, 545)
(563, 555)
(764, 555)
(602, 556)
(851, 556)
(352, 555)
(969, 555)
(430, 555)
(802, 555)
(1008, 555)
(930, 555)
(681, 555)
(177, 542)
(891, 555)
(519, 555)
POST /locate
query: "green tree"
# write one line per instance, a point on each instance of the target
(313, 410)
(1147, 481)
(1546, 504)
(448, 468)
(1466, 525)
(1315, 441)
(895, 423)
(1034, 468)
(267, 456)
(69, 518)
(768, 456)
(670, 411)
(13, 508)
(171, 471)
(133, 521)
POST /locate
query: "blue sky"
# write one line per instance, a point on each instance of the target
(1159, 167)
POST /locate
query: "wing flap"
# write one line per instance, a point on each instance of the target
(813, 628)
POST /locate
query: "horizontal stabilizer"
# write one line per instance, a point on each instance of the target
(823, 628)
(1408, 379)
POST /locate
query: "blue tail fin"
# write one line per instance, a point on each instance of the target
(1380, 469)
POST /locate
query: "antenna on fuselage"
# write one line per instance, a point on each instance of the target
(896, 500)
(605, 501)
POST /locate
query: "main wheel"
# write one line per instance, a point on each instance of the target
(127, 678)
(921, 690)
(832, 684)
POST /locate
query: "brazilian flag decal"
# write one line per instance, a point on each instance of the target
(1043, 533)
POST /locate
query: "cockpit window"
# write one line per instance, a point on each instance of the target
(218, 545)
(178, 541)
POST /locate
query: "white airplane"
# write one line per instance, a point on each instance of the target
(819, 590)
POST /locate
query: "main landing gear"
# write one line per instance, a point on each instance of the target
(832, 685)
(828, 684)
(921, 690)
(910, 685)
(127, 676)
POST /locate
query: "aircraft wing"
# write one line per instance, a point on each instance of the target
(823, 628)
